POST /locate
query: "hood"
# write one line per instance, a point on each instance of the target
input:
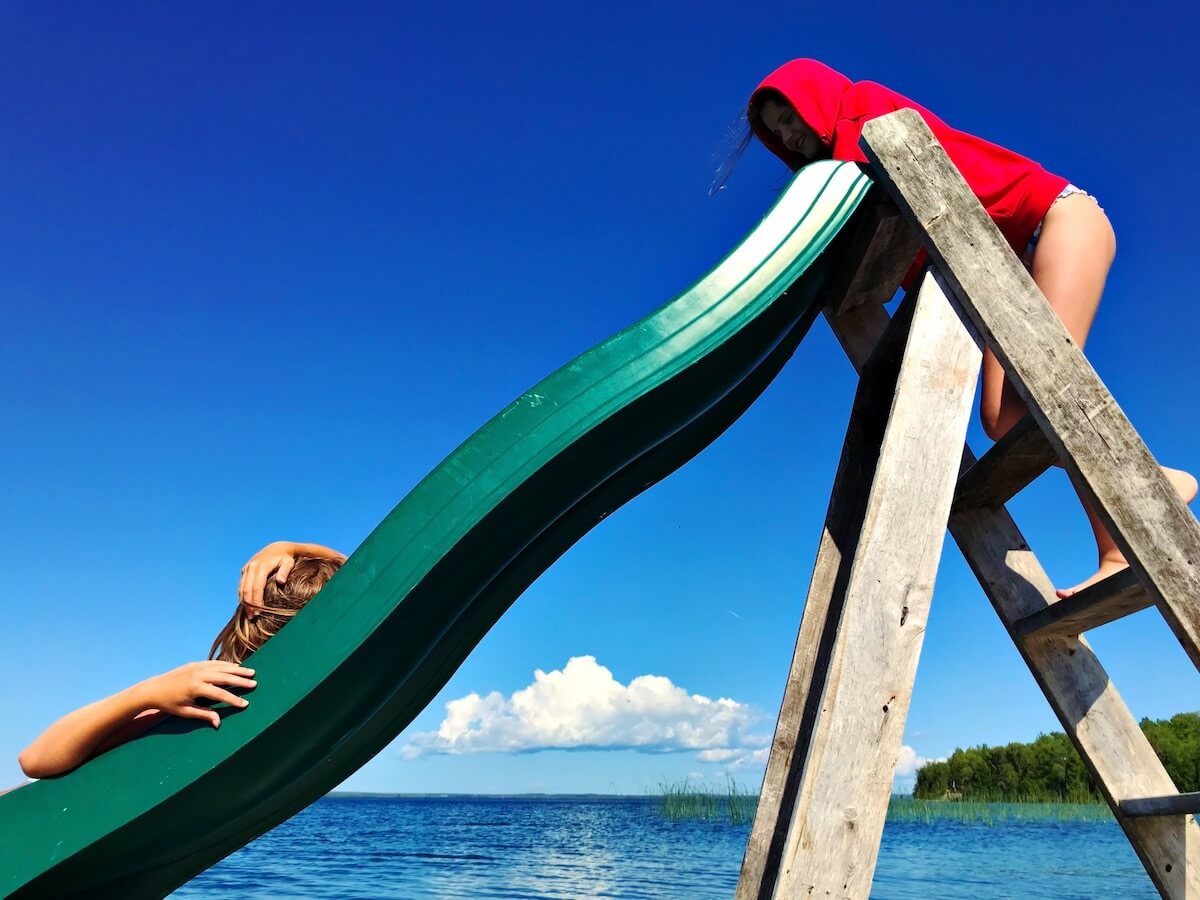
(814, 89)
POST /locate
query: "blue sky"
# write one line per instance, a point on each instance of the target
(262, 266)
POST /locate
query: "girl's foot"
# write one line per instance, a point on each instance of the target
(1114, 561)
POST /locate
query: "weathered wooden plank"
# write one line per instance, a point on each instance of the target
(1007, 469)
(859, 330)
(880, 253)
(884, 362)
(1115, 597)
(1091, 711)
(884, 345)
(841, 802)
(1170, 805)
(1150, 524)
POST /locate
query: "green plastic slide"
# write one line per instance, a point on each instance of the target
(371, 650)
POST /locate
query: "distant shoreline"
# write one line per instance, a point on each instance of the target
(532, 795)
(738, 809)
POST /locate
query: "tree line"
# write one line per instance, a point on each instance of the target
(1050, 770)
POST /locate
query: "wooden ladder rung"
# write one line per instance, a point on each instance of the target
(1008, 468)
(1106, 601)
(1170, 805)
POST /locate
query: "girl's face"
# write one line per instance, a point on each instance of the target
(781, 120)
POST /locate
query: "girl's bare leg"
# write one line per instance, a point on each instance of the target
(1070, 265)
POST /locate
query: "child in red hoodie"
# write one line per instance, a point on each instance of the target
(805, 111)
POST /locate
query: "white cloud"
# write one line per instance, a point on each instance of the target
(717, 756)
(582, 706)
(737, 759)
(907, 764)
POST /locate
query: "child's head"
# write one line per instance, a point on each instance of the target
(777, 115)
(242, 635)
(775, 120)
(794, 110)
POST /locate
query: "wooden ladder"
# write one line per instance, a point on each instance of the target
(905, 474)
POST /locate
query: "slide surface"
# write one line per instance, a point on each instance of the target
(346, 676)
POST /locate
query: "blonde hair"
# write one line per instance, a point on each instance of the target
(242, 635)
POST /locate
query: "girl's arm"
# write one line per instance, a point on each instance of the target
(277, 557)
(99, 726)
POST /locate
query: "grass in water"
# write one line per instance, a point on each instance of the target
(682, 800)
(903, 808)
(685, 801)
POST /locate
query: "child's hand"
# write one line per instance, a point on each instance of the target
(177, 691)
(99, 726)
(277, 557)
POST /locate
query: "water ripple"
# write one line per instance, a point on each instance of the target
(422, 848)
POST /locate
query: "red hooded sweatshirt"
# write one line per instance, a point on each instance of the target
(1016, 191)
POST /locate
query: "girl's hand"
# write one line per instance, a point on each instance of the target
(177, 691)
(100, 726)
(278, 557)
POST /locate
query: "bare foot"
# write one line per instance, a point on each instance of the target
(1113, 560)
(1109, 565)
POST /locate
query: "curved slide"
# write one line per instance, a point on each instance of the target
(377, 644)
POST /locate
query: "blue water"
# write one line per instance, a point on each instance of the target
(549, 847)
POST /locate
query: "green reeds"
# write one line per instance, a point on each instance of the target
(903, 808)
(686, 801)
(683, 801)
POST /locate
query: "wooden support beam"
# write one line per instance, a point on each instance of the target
(1091, 711)
(1150, 524)
(842, 797)
(1106, 601)
(1007, 469)
(1170, 805)
(883, 343)
(859, 330)
(879, 255)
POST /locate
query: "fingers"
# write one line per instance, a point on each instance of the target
(198, 712)
(184, 691)
(255, 574)
(231, 668)
(210, 666)
(232, 681)
(212, 692)
(285, 568)
(261, 573)
(250, 588)
(245, 582)
(220, 672)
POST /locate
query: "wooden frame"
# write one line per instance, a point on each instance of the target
(827, 782)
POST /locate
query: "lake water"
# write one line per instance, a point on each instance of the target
(551, 847)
